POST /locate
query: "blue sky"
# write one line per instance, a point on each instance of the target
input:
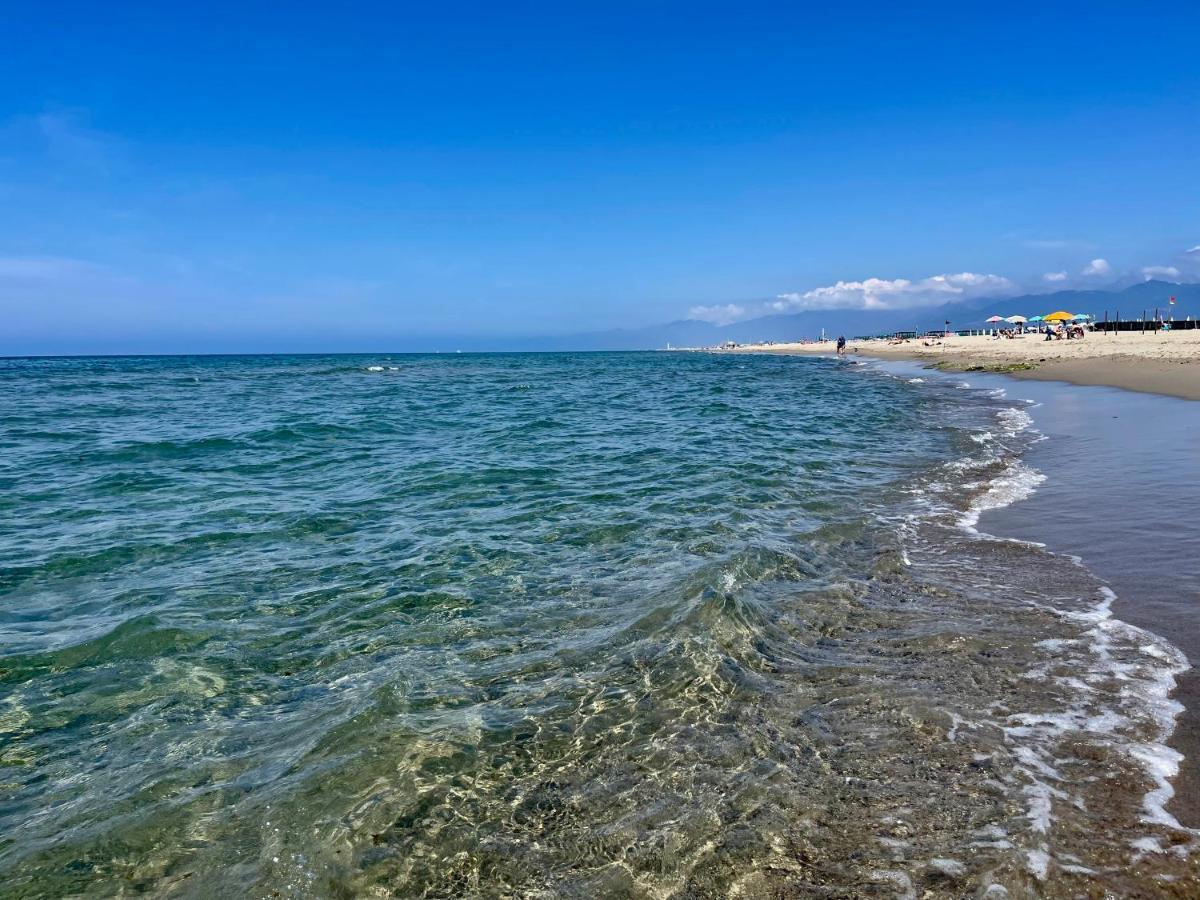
(280, 177)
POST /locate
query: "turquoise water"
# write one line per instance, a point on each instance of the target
(550, 625)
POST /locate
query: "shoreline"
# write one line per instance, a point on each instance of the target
(1153, 363)
(1143, 376)
(1130, 367)
(783, 570)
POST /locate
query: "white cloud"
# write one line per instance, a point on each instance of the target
(1097, 267)
(898, 293)
(1195, 249)
(873, 293)
(718, 315)
(1149, 272)
(1055, 276)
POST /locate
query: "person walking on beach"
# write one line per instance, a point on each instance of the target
(841, 345)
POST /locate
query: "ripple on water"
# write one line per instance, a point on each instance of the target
(554, 625)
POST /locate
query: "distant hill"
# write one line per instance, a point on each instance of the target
(1130, 301)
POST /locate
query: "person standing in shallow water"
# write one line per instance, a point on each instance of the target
(841, 345)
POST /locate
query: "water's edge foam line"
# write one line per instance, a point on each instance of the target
(1158, 760)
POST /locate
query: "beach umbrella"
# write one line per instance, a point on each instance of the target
(1082, 317)
(1037, 319)
(1016, 319)
(1060, 316)
(995, 319)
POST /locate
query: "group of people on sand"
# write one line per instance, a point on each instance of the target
(1065, 330)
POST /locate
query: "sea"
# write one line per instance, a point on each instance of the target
(661, 625)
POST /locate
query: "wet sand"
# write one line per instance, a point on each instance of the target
(1122, 485)
(1147, 376)
(1186, 804)
(1123, 477)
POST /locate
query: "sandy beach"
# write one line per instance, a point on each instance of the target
(1156, 362)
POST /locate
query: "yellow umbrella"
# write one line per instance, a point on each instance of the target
(1059, 316)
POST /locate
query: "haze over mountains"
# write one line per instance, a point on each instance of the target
(1130, 302)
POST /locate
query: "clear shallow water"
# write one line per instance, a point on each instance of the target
(553, 625)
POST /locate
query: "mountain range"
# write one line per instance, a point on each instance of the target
(1130, 302)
